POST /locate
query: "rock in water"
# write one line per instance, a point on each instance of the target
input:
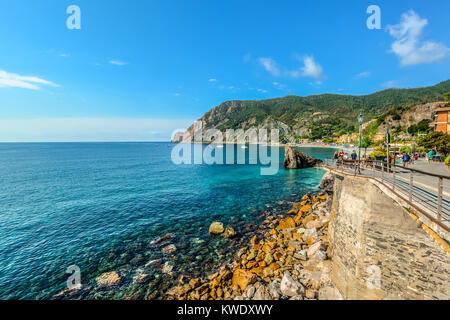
(229, 232)
(216, 228)
(294, 159)
(108, 279)
(290, 287)
(169, 249)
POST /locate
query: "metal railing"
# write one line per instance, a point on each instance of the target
(431, 200)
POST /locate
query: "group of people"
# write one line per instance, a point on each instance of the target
(405, 157)
(341, 155)
(345, 156)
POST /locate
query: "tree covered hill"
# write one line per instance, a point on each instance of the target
(318, 116)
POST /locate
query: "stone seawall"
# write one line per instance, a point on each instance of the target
(378, 250)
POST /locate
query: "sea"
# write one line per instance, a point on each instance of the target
(102, 207)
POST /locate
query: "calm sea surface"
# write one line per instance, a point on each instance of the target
(100, 206)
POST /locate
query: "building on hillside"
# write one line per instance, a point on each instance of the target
(348, 138)
(442, 120)
(380, 136)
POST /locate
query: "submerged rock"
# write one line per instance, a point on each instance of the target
(166, 238)
(153, 263)
(294, 159)
(229, 232)
(108, 279)
(169, 249)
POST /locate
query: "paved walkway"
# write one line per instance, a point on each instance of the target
(429, 182)
(425, 187)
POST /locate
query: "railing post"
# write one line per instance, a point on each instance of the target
(439, 204)
(411, 181)
(373, 168)
(393, 174)
(382, 170)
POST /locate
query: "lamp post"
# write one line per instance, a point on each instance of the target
(360, 121)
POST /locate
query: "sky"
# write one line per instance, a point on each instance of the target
(138, 70)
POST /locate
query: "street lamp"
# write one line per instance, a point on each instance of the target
(360, 121)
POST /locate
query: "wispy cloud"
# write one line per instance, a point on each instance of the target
(310, 68)
(18, 81)
(364, 74)
(212, 80)
(270, 65)
(117, 62)
(64, 55)
(262, 90)
(408, 45)
(177, 94)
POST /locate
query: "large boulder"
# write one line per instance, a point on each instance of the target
(294, 159)
(327, 183)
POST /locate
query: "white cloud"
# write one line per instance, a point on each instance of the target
(262, 90)
(408, 45)
(364, 74)
(64, 55)
(89, 129)
(270, 65)
(212, 80)
(177, 94)
(117, 62)
(310, 68)
(27, 82)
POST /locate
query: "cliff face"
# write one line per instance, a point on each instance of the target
(411, 116)
(379, 251)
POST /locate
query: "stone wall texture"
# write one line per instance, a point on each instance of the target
(379, 251)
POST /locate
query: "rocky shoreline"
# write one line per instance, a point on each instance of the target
(290, 261)
(282, 254)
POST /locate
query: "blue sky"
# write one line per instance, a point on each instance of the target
(158, 65)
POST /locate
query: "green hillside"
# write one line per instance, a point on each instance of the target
(337, 112)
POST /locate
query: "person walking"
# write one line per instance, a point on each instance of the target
(354, 155)
(431, 155)
(406, 159)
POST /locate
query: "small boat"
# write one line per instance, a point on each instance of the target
(244, 147)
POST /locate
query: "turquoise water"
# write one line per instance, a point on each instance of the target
(100, 206)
